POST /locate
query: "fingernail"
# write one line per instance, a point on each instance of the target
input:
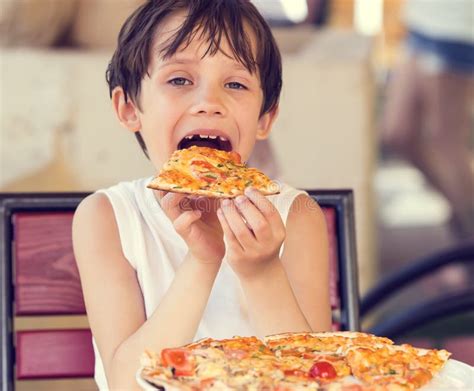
(226, 202)
(249, 190)
(241, 199)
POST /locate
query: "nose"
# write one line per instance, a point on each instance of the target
(209, 102)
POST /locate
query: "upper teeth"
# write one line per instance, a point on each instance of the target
(205, 136)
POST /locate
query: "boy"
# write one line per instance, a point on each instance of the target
(161, 269)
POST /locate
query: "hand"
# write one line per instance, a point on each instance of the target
(253, 230)
(194, 219)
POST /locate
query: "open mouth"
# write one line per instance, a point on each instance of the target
(216, 142)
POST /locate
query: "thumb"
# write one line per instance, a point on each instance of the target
(184, 222)
(171, 204)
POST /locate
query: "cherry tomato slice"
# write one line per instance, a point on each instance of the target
(180, 359)
(322, 370)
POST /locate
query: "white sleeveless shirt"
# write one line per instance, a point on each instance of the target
(154, 249)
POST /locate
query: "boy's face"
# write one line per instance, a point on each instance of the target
(192, 94)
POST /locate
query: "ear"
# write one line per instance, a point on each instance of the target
(265, 123)
(127, 112)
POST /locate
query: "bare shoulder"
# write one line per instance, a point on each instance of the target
(94, 224)
(306, 228)
(306, 260)
(96, 241)
(305, 213)
(95, 208)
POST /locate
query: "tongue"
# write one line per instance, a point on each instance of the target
(200, 143)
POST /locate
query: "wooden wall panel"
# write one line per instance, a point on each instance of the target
(46, 275)
(54, 354)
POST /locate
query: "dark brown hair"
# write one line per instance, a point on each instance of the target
(212, 19)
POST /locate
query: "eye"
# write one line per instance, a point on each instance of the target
(179, 81)
(236, 85)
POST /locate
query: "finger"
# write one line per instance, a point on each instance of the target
(237, 224)
(228, 233)
(183, 223)
(173, 205)
(204, 204)
(262, 203)
(254, 218)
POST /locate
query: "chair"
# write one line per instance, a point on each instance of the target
(45, 337)
(428, 310)
(338, 208)
(43, 334)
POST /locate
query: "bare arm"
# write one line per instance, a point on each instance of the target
(114, 301)
(306, 261)
(272, 305)
(287, 294)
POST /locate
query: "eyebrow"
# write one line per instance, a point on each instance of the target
(183, 61)
(175, 61)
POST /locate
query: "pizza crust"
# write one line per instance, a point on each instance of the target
(326, 334)
(155, 184)
(166, 384)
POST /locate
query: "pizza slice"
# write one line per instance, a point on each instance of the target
(397, 367)
(210, 172)
(318, 356)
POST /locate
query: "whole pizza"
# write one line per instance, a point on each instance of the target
(332, 361)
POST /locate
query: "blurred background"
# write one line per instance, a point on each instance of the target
(377, 97)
